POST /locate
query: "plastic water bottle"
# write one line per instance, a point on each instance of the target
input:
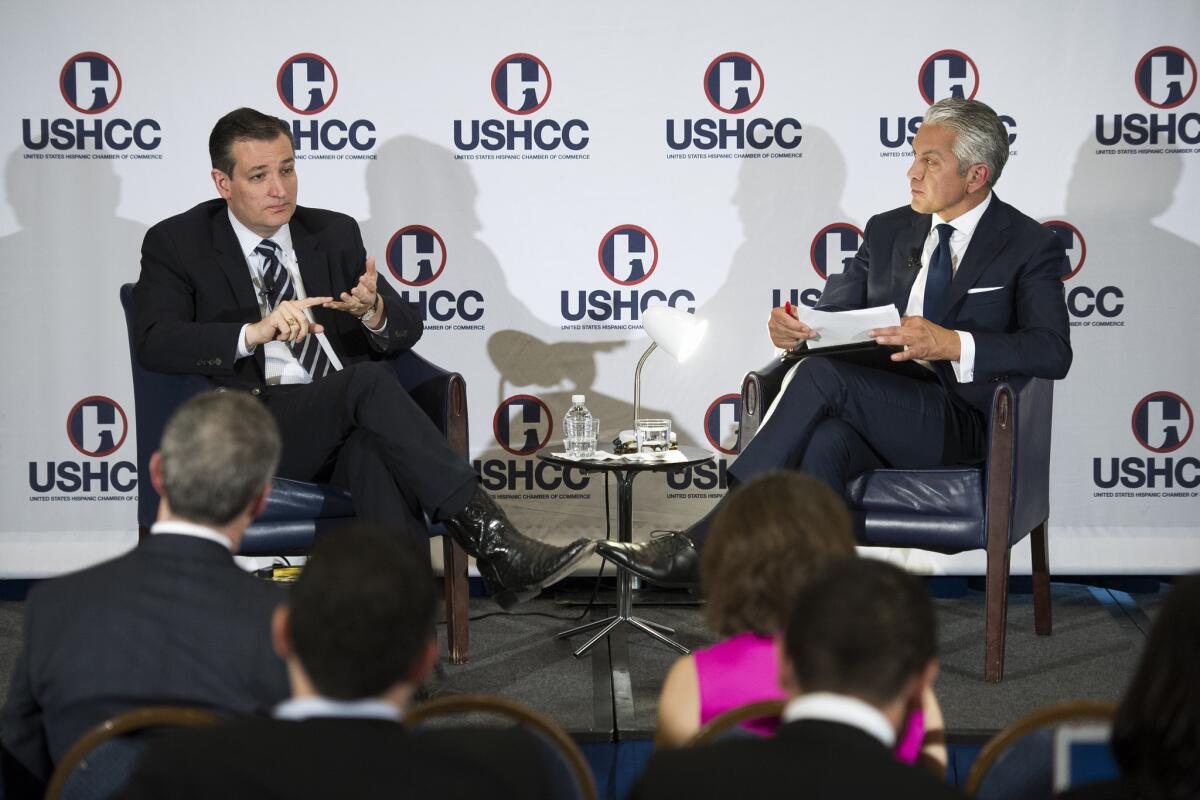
(579, 434)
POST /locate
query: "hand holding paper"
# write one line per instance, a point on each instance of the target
(847, 327)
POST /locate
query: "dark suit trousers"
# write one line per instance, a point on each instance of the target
(359, 429)
(836, 420)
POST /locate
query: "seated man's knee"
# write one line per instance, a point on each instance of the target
(823, 376)
(832, 436)
(366, 374)
(816, 368)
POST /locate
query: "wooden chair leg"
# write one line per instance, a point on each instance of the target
(1041, 579)
(996, 614)
(457, 585)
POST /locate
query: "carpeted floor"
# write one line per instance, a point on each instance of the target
(1091, 654)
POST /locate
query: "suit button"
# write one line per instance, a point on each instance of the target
(216, 362)
(256, 391)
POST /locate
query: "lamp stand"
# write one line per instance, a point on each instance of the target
(637, 383)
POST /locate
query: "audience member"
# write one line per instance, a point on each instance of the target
(859, 654)
(768, 539)
(358, 638)
(1156, 734)
(174, 621)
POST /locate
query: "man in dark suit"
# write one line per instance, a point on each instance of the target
(859, 651)
(260, 294)
(175, 621)
(357, 636)
(979, 287)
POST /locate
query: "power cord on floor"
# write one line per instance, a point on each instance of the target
(587, 609)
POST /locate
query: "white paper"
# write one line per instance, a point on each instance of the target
(847, 327)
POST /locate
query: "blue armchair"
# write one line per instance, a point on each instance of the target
(296, 510)
(954, 509)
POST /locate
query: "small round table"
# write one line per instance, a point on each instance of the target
(625, 472)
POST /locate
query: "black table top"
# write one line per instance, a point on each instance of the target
(695, 456)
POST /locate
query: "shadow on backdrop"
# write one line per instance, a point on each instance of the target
(415, 181)
(64, 266)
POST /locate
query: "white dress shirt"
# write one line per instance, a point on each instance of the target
(844, 709)
(964, 228)
(281, 366)
(301, 708)
(191, 529)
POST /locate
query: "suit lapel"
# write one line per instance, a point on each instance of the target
(233, 264)
(314, 264)
(904, 265)
(990, 237)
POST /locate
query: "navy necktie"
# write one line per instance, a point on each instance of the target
(937, 282)
(277, 287)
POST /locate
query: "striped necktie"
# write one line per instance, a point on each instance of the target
(278, 286)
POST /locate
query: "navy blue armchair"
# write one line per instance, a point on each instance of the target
(958, 508)
(297, 511)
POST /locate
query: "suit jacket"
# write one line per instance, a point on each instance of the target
(813, 759)
(1020, 327)
(173, 622)
(195, 293)
(339, 757)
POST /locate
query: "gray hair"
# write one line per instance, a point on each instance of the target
(218, 451)
(980, 136)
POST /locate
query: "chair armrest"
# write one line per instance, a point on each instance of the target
(441, 394)
(1019, 450)
(759, 390)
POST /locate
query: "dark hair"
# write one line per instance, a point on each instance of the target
(769, 537)
(861, 628)
(240, 125)
(1156, 733)
(362, 611)
(218, 451)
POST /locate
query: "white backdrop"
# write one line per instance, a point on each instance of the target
(389, 101)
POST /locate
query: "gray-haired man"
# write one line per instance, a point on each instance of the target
(978, 285)
(174, 621)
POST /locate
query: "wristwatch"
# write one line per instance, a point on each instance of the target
(371, 312)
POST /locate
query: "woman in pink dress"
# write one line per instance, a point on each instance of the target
(770, 536)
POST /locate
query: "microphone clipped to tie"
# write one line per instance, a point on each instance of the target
(914, 258)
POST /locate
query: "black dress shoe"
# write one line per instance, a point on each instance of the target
(670, 560)
(513, 566)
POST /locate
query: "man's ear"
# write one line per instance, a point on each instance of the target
(424, 663)
(977, 177)
(156, 473)
(222, 181)
(281, 632)
(259, 504)
(787, 671)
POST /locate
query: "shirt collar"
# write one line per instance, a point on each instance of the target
(844, 709)
(301, 708)
(964, 224)
(248, 239)
(182, 528)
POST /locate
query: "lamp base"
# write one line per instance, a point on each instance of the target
(625, 443)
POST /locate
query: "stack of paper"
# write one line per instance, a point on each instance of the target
(846, 327)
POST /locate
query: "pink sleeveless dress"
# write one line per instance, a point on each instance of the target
(745, 669)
